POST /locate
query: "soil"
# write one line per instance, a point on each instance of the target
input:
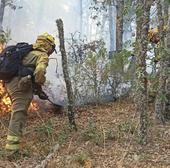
(107, 137)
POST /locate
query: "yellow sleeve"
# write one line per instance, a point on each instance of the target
(40, 70)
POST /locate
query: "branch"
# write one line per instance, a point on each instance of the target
(50, 156)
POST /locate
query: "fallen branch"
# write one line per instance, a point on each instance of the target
(50, 156)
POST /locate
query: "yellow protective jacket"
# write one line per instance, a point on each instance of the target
(38, 59)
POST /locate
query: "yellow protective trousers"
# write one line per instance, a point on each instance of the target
(21, 100)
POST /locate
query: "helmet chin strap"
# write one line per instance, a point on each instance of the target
(55, 51)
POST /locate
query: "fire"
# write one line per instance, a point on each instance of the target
(6, 104)
(33, 106)
(5, 101)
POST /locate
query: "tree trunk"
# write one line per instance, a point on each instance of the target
(81, 16)
(70, 96)
(167, 53)
(103, 24)
(141, 75)
(119, 25)
(161, 95)
(111, 28)
(2, 9)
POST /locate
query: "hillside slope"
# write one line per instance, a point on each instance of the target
(107, 138)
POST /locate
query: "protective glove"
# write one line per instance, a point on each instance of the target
(39, 92)
(42, 95)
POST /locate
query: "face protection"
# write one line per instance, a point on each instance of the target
(52, 50)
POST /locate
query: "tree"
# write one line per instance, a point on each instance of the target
(2, 9)
(167, 53)
(142, 20)
(111, 28)
(119, 25)
(81, 15)
(3, 4)
(106, 6)
(66, 75)
(161, 98)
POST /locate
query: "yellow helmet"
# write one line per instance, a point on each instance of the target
(45, 42)
(47, 37)
(152, 33)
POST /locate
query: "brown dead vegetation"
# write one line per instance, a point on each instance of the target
(107, 136)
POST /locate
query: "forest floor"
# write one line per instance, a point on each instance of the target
(107, 137)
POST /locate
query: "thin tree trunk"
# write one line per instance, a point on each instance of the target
(119, 25)
(70, 96)
(81, 16)
(161, 98)
(166, 16)
(2, 9)
(119, 29)
(111, 29)
(167, 53)
(103, 24)
(141, 75)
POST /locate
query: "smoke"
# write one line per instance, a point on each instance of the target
(38, 16)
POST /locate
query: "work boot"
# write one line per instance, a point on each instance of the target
(12, 147)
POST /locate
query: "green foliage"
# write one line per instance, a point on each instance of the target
(81, 158)
(139, 11)
(168, 1)
(114, 68)
(163, 98)
(46, 128)
(93, 73)
(153, 82)
(5, 36)
(110, 135)
(94, 59)
(62, 137)
(2, 153)
(2, 38)
(128, 8)
(127, 127)
(87, 73)
(119, 60)
(92, 133)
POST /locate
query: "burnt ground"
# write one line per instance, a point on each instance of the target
(107, 137)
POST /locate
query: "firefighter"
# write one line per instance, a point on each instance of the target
(153, 36)
(20, 89)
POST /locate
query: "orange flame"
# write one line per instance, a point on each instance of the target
(5, 101)
(33, 106)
